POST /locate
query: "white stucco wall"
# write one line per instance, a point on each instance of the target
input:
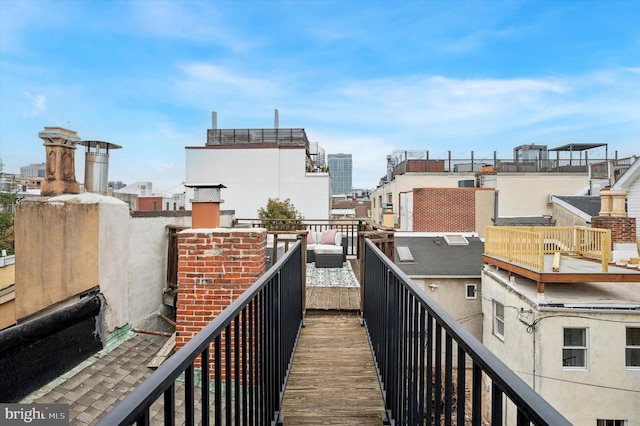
(451, 295)
(133, 264)
(147, 266)
(253, 175)
(605, 390)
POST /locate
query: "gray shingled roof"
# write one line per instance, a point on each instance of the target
(434, 257)
(525, 221)
(588, 204)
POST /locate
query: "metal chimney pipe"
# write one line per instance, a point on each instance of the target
(96, 165)
(275, 119)
(214, 120)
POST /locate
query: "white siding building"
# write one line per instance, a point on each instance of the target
(630, 183)
(579, 348)
(258, 164)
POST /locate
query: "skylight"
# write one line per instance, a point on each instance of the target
(404, 254)
(456, 240)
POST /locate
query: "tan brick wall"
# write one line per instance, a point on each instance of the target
(214, 268)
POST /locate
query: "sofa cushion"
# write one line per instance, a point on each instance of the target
(327, 249)
(328, 236)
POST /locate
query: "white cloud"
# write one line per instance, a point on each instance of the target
(196, 21)
(37, 105)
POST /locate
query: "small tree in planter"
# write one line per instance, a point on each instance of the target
(280, 215)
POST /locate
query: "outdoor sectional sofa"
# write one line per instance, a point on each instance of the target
(327, 248)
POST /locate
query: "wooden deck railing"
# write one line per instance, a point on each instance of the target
(528, 245)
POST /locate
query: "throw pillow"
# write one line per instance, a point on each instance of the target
(328, 236)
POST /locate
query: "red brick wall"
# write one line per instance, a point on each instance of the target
(214, 269)
(623, 229)
(146, 203)
(444, 209)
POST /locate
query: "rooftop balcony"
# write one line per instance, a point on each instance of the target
(263, 361)
(290, 137)
(569, 162)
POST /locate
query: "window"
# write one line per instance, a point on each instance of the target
(601, 422)
(155, 205)
(471, 291)
(498, 319)
(167, 205)
(574, 348)
(632, 348)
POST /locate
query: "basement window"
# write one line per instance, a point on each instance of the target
(471, 291)
(404, 254)
(602, 422)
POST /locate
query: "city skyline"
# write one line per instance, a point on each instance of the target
(455, 76)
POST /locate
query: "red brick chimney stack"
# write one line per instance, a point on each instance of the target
(205, 206)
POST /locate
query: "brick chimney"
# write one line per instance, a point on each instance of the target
(215, 266)
(60, 175)
(205, 205)
(613, 216)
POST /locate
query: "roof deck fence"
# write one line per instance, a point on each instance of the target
(245, 355)
(421, 161)
(529, 245)
(278, 136)
(414, 344)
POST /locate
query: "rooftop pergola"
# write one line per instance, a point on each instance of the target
(580, 147)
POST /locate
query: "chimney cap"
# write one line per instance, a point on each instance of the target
(99, 144)
(204, 185)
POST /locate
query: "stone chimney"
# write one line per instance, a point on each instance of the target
(60, 175)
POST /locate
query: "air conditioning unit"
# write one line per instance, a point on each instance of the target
(388, 206)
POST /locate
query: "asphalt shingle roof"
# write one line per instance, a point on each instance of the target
(434, 257)
(588, 204)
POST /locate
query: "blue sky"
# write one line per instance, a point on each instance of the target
(362, 77)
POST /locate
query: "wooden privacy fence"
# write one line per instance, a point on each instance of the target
(528, 245)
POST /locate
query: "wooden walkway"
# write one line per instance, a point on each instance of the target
(333, 379)
(333, 298)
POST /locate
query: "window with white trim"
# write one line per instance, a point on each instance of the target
(632, 348)
(602, 422)
(498, 320)
(575, 349)
(470, 291)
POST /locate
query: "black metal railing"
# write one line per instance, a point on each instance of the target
(348, 227)
(245, 355)
(413, 339)
(278, 136)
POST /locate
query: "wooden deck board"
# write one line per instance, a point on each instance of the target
(333, 298)
(333, 379)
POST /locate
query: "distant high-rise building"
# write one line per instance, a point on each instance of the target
(32, 171)
(341, 170)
